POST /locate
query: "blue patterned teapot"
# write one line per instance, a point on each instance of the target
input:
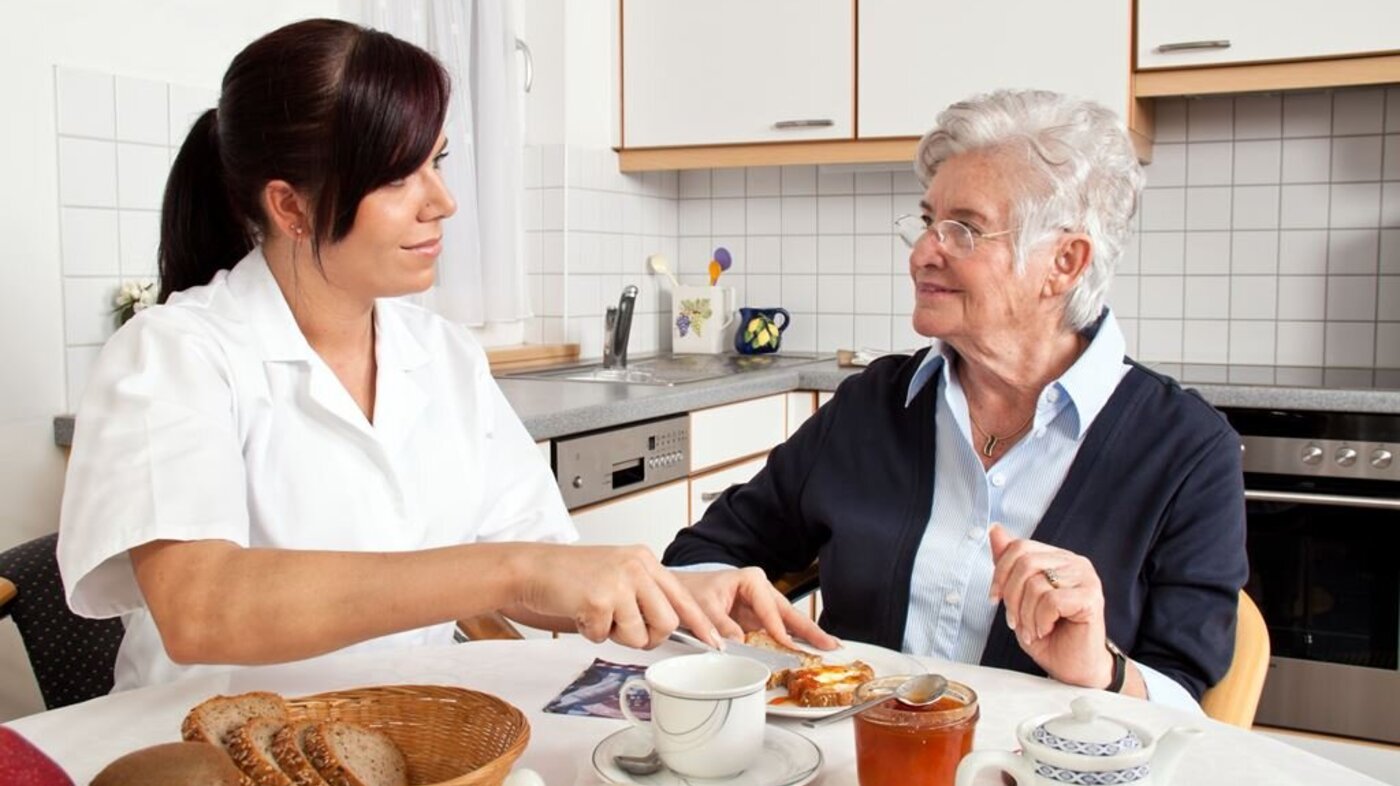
(1083, 748)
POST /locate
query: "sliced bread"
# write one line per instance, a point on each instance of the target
(212, 720)
(828, 686)
(347, 754)
(778, 678)
(250, 746)
(289, 749)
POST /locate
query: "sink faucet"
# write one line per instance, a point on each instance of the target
(617, 326)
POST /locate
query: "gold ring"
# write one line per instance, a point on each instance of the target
(1052, 577)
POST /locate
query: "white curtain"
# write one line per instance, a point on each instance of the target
(481, 274)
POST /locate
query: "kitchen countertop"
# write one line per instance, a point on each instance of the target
(552, 408)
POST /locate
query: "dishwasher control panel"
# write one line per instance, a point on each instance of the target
(609, 463)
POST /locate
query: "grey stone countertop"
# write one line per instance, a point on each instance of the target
(551, 408)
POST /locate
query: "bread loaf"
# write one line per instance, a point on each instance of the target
(212, 720)
(173, 764)
(289, 749)
(347, 754)
(250, 747)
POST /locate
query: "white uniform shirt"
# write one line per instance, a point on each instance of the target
(211, 417)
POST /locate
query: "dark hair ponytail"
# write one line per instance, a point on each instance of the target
(199, 232)
(334, 109)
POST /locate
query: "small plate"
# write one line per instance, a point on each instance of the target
(885, 662)
(788, 759)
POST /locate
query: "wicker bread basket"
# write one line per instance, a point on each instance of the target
(449, 736)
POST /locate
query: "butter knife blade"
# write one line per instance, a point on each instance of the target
(775, 661)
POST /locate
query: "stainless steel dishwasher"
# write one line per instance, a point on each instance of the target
(607, 463)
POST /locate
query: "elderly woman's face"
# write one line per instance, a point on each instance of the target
(979, 295)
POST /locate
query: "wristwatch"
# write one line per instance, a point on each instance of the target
(1120, 666)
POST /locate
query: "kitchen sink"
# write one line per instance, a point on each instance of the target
(666, 370)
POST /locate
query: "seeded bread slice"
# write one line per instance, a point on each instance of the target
(347, 754)
(288, 748)
(250, 746)
(212, 720)
(778, 678)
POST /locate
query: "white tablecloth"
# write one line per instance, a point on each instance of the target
(84, 737)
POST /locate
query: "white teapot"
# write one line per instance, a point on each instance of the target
(1083, 748)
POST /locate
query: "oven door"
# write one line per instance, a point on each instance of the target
(1324, 559)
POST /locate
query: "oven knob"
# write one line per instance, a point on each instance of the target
(1380, 458)
(1312, 454)
(578, 481)
(1346, 457)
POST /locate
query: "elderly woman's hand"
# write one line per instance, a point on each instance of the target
(1054, 602)
(743, 599)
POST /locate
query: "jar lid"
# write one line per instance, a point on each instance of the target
(1085, 733)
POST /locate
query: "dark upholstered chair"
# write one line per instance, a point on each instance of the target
(73, 657)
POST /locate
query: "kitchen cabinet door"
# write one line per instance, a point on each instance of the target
(735, 71)
(917, 57)
(706, 488)
(1176, 33)
(650, 518)
(727, 433)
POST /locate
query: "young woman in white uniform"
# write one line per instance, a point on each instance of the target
(279, 461)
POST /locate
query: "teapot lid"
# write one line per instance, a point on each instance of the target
(1084, 732)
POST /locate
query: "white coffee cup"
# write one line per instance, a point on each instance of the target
(707, 712)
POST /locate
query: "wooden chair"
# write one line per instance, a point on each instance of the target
(1234, 699)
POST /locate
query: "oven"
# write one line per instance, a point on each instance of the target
(1323, 534)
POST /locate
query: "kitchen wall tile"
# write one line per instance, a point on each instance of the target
(836, 254)
(1207, 253)
(903, 336)
(765, 254)
(1351, 298)
(140, 242)
(872, 295)
(873, 183)
(1300, 343)
(1209, 119)
(1302, 252)
(1168, 167)
(1170, 120)
(1252, 342)
(835, 331)
(872, 253)
(1388, 299)
(799, 181)
(1356, 205)
(1253, 253)
(87, 172)
(727, 182)
(1352, 251)
(584, 255)
(143, 111)
(1255, 207)
(1257, 162)
(552, 209)
(1160, 340)
(1303, 206)
(727, 216)
(1388, 345)
(874, 214)
(1130, 335)
(1130, 261)
(1307, 114)
(1350, 344)
(551, 166)
(835, 183)
(1390, 251)
(695, 183)
(1162, 252)
(552, 256)
(836, 215)
(1358, 111)
(1307, 160)
(763, 181)
(531, 162)
(1209, 163)
(90, 242)
(801, 334)
(1356, 158)
(534, 255)
(79, 364)
(764, 291)
(694, 217)
(1208, 208)
(765, 216)
(1163, 209)
(86, 103)
(530, 210)
(584, 296)
(1390, 169)
(901, 296)
(835, 294)
(800, 293)
(552, 295)
(87, 309)
(1205, 341)
(799, 254)
(1392, 109)
(1253, 297)
(907, 182)
(1390, 205)
(1161, 297)
(694, 261)
(872, 332)
(1302, 297)
(799, 215)
(1258, 117)
(1123, 296)
(1207, 297)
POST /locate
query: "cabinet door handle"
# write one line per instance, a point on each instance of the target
(710, 496)
(1193, 46)
(821, 122)
(521, 46)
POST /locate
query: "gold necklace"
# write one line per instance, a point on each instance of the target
(992, 439)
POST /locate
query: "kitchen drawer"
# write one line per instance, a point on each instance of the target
(651, 518)
(727, 433)
(706, 488)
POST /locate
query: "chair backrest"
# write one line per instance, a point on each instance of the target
(73, 657)
(1234, 699)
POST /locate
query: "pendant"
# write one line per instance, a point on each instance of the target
(991, 445)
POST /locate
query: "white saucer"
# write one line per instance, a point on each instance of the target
(788, 759)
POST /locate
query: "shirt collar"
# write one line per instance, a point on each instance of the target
(1089, 382)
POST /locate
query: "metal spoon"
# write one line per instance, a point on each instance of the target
(659, 264)
(639, 765)
(917, 691)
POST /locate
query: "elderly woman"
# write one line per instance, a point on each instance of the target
(1020, 494)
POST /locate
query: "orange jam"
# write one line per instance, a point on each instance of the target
(899, 745)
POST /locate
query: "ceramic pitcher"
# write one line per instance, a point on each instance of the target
(760, 330)
(701, 318)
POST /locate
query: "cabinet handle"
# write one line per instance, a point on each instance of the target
(521, 46)
(1192, 46)
(821, 122)
(710, 496)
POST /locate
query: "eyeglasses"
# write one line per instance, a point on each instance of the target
(956, 237)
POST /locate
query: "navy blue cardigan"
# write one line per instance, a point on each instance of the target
(1154, 498)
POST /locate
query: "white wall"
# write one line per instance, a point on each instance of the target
(185, 42)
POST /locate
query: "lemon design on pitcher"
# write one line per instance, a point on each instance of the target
(761, 333)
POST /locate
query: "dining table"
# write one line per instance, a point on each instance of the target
(528, 673)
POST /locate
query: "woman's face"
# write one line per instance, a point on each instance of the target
(980, 295)
(393, 245)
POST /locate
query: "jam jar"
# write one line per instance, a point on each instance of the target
(900, 745)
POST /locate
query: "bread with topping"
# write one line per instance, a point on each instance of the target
(778, 678)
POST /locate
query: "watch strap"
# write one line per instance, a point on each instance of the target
(1120, 667)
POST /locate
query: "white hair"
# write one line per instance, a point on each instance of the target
(1081, 174)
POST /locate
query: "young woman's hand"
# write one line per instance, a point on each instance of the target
(742, 599)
